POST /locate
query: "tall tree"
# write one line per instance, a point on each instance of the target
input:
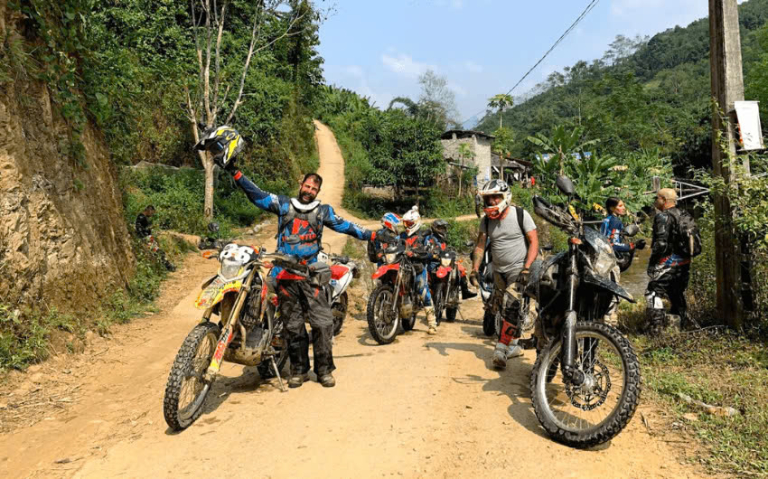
(500, 103)
(271, 21)
(437, 101)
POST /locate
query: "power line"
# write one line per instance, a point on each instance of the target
(589, 8)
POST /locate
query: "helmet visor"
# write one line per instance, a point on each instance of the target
(409, 223)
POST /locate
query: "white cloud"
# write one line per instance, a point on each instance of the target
(473, 67)
(405, 65)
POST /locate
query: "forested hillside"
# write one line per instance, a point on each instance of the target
(644, 93)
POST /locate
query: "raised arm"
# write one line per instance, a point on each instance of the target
(262, 199)
(340, 225)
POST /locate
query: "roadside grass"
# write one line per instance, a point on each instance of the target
(719, 368)
(27, 335)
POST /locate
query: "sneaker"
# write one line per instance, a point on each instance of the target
(432, 330)
(297, 380)
(327, 380)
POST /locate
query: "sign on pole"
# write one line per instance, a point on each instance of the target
(750, 130)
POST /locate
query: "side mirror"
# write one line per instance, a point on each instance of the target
(469, 244)
(565, 185)
(548, 247)
(631, 230)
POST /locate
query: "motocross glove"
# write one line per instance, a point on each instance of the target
(640, 244)
(522, 278)
(473, 279)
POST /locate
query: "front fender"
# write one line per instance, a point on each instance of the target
(384, 269)
(608, 285)
(215, 291)
(443, 271)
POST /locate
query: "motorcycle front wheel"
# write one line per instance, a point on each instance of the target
(439, 301)
(382, 320)
(185, 391)
(596, 411)
(339, 310)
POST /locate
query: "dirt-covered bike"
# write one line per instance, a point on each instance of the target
(246, 333)
(598, 388)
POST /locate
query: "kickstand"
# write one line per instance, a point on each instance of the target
(277, 373)
(461, 314)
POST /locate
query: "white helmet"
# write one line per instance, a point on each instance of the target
(495, 188)
(412, 220)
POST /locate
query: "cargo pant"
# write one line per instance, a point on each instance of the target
(299, 300)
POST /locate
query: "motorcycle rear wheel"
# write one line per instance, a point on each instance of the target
(382, 321)
(339, 311)
(601, 351)
(185, 391)
(450, 314)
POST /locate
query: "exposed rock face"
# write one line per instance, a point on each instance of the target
(63, 239)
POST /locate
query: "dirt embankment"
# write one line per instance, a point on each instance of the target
(63, 239)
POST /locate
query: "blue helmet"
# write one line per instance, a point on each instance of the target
(392, 222)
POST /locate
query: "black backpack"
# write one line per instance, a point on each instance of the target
(687, 236)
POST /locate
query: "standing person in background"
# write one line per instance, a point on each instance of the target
(670, 263)
(612, 227)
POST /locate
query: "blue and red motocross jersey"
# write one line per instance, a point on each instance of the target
(304, 238)
(612, 228)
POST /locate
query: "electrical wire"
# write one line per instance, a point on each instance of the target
(589, 8)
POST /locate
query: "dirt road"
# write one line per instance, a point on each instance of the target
(424, 406)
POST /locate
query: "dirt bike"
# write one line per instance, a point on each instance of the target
(342, 272)
(395, 302)
(445, 283)
(247, 332)
(597, 392)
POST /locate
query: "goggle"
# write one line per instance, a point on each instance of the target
(408, 224)
(216, 147)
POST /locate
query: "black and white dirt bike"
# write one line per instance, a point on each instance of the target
(247, 332)
(597, 389)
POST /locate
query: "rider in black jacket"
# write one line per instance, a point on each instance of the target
(668, 270)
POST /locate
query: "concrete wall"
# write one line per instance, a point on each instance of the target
(481, 147)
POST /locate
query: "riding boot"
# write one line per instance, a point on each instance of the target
(431, 320)
(466, 293)
(298, 352)
(656, 321)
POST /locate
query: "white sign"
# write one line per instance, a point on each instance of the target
(750, 130)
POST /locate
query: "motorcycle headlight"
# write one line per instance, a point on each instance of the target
(391, 257)
(230, 268)
(445, 262)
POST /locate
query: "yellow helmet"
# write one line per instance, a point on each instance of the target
(224, 143)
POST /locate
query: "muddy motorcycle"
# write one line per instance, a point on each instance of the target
(343, 271)
(394, 303)
(247, 331)
(445, 284)
(597, 389)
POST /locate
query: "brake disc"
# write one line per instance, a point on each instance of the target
(599, 388)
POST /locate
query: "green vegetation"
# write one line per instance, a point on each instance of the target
(721, 369)
(643, 94)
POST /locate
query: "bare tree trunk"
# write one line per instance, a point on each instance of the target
(461, 176)
(209, 170)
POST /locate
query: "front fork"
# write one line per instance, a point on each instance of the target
(571, 373)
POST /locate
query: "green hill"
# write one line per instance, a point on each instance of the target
(643, 93)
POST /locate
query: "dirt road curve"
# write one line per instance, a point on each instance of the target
(425, 406)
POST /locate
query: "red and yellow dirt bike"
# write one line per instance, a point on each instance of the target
(247, 332)
(445, 283)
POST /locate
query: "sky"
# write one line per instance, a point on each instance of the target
(483, 47)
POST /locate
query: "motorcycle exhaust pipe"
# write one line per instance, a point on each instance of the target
(570, 350)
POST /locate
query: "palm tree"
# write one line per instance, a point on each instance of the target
(562, 144)
(500, 103)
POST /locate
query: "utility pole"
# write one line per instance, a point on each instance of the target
(727, 87)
